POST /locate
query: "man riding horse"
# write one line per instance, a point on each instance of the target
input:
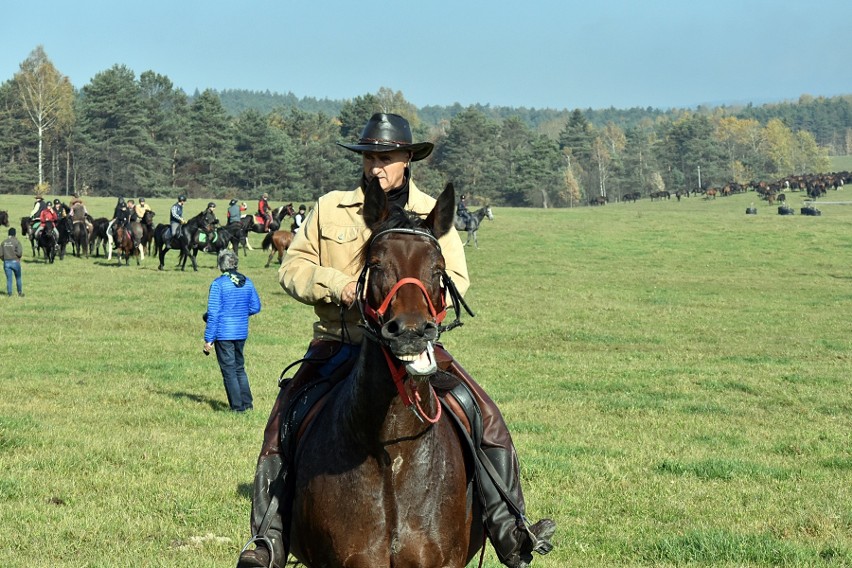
(319, 270)
(263, 211)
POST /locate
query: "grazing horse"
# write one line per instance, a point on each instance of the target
(279, 241)
(187, 242)
(80, 238)
(396, 490)
(472, 225)
(47, 242)
(124, 246)
(4, 218)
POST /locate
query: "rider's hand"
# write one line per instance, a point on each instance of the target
(347, 296)
(183, 221)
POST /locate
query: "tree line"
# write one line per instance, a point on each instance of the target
(122, 135)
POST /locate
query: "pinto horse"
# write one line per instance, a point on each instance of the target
(395, 490)
(472, 224)
(279, 241)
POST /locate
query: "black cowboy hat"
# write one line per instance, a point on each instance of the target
(387, 132)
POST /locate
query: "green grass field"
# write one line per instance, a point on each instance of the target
(676, 376)
(841, 163)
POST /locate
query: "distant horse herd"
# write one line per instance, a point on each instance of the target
(95, 238)
(813, 185)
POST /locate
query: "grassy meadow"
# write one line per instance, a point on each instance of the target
(676, 376)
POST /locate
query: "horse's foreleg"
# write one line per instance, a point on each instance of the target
(141, 252)
(109, 247)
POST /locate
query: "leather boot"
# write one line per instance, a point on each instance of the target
(512, 537)
(266, 521)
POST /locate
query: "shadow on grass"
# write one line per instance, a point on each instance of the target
(215, 404)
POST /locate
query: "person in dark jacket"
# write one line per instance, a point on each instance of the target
(232, 299)
(234, 212)
(11, 252)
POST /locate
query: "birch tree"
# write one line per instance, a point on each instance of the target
(47, 97)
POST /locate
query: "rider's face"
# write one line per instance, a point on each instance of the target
(388, 167)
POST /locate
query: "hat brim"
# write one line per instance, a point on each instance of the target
(418, 151)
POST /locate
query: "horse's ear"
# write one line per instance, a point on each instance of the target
(440, 220)
(375, 204)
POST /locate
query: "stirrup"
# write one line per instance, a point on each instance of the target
(540, 542)
(265, 540)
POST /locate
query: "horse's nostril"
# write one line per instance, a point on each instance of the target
(391, 329)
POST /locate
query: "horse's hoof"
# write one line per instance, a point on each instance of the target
(160, 267)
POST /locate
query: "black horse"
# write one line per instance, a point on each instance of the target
(221, 237)
(80, 237)
(471, 224)
(47, 242)
(99, 236)
(147, 223)
(4, 218)
(28, 229)
(187, 242)
(65, 227)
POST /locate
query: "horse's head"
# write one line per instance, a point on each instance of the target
(488, 214)
(403, 284)
(4, 218)
(148, 218)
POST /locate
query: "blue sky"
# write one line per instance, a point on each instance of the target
(538, 53)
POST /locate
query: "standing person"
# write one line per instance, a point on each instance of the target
(232, 299)
(12, 251)
(319, 269)
(298, 219)
(176, 217)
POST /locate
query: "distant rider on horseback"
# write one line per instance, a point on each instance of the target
(47, 214)
(176, 218)
(264, 211)
(462, 211)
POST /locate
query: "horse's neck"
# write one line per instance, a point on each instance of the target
(375, 412)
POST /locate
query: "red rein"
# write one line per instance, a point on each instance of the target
(397, 368)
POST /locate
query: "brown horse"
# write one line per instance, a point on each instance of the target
(279, 241)
(380, 476)
(124, 246)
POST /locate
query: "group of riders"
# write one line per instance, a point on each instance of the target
(46, 213)
(236, 212)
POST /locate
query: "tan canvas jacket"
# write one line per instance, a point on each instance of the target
(323, 257)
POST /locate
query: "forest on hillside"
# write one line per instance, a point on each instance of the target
(123, 135)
